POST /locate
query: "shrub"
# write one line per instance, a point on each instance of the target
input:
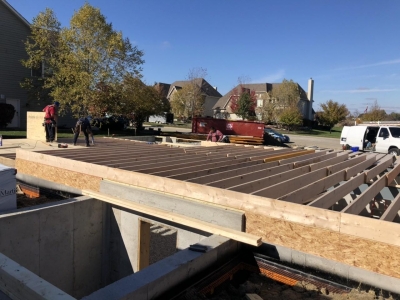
(7, 112)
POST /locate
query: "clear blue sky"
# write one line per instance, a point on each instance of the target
(350, 48)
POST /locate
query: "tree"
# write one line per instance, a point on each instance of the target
(189, 100)
(243, 102)
(87, 61)
(138, 101)
(7, 113)
(375, 113)
(286, 94)
(332, 113)
(291, 117)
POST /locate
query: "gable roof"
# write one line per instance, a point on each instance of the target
(163, 88)
(16, 13)
(258, 88)
(205, 87)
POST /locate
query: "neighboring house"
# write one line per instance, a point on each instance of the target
(13, 33)
(211, 94)
(166, 117)
(222, 109)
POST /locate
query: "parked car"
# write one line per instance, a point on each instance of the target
(276, 135)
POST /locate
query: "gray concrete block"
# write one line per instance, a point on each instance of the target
(384, 282)
(56, 239)
(19, 235)
(87, 247)
(20, 283)
(298, 258)
(163, 275)
(327, 265)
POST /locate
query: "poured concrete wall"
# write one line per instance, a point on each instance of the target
(61, 243)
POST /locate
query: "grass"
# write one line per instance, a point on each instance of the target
(336, 131)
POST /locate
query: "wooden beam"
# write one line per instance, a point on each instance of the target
(179, 219)
(365, 197)
(331, 197)
(354, 170)
(394, 172)
(143, 245)
(329, 162)
(381, 166)
(251, 176)
(392, 210)
(347, 163)
(263, 183)
(289, 155)
(292, 184)
(311, 158)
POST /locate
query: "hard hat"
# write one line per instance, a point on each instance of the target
(56, 103)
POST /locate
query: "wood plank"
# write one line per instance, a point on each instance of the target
(284, 156)
(394, 172)
(365, 197)
(262, 183)
(329, 162)
(292, 184)
(354, 170)
(143, 245)
(381, 166)
(311, 158)
(347, 163)
(331, 197)
(178, 218)
(392, 210)
(304, 194)
(251, 176)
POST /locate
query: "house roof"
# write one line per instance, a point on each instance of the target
(15, 12)
(258, 88)
(205, 87)
(163, 88)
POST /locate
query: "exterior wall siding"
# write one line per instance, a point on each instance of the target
(13, 34)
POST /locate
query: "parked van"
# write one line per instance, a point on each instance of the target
(382, 139)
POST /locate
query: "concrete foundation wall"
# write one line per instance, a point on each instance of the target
(62, 243)
(158, 278)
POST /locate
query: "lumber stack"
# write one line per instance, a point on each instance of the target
(248, 140)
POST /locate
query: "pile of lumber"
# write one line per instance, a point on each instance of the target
(248, 140)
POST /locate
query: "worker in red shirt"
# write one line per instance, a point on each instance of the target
(214, 135)
(50, 118)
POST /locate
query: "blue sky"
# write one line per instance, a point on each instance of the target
(350, 48)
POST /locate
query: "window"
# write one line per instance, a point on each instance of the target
(395, 131)
(259, 102)
(384, 132)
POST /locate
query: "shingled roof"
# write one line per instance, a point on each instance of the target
(205, 87)
(258, 88)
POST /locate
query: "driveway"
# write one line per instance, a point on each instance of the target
(309, 141)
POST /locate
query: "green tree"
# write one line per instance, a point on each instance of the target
(88, 61)
(243, 102)
(332, 113)
(190, 99)
(375, 113)
(139, 101)
(291, 117)
(286, 93)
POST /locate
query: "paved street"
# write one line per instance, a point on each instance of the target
(301, 140)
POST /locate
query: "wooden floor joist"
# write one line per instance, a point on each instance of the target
(179, 219)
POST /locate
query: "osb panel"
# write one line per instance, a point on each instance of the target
(363, 253)
(54, 174)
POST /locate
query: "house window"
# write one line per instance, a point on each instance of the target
(259, 102)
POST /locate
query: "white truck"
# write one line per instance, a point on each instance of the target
(377, 138)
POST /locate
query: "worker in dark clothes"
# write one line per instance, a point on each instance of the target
(82, 125)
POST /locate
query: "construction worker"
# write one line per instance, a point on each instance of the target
(214, 135)
(83, 125)
(50, 119)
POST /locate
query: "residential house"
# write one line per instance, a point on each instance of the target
(222, 109)
(211, 93)
(14, 32)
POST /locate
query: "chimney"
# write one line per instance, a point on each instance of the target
(310, 95)
(216, 88)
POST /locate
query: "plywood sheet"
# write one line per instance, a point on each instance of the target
(355, 251)
(55, 174)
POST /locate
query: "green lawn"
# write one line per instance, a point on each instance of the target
(336, 131)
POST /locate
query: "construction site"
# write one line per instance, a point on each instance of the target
(143, 219)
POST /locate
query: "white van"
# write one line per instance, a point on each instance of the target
(382, 139)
